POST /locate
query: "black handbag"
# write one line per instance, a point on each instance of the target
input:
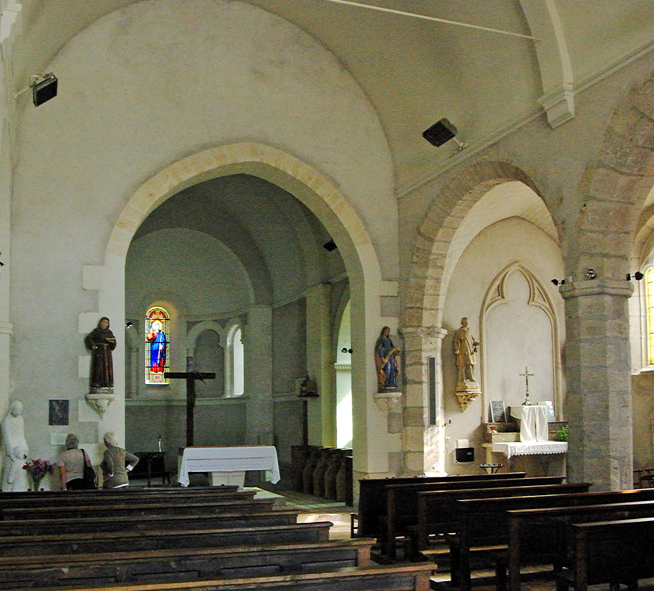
(90, 478)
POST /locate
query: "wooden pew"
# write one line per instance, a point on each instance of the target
(537, 536)
(55, 502)
(45, 544)
(372, 498)
(440, 512)
(120, 511)
(181, 564)
(25, 527)
(608, 552)
(128, 490)
(402, 503)
(409, 577)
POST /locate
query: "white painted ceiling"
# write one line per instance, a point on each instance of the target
(416, 71)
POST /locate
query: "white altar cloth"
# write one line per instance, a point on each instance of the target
(520, 448)
(229, 459)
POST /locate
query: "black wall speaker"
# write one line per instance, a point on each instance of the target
(440, 132)
(464, 454)
(44, 90)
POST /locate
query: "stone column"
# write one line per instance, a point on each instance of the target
(322, 417)
(598, 400)
(257, 344)
(10, 25)
(423, 444)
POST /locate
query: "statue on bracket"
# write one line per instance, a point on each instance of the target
(465, 349)
(101, 341)
(386, 362)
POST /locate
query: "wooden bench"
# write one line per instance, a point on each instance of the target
(182, 564)
(128, 490)
(121, 511)
(611, 552)
(25, 527)
(438, 512)
(402, 503)
(409, 577)
(372, 499)
(45, 544)
(537, 536)
(111, 500)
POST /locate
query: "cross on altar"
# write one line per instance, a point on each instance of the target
(526, 375)
(190, 377)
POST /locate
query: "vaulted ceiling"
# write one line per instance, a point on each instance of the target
(417, 71)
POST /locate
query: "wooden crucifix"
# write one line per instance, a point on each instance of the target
(190, 377)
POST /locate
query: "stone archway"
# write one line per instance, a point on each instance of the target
(432, 262)
(315, 191)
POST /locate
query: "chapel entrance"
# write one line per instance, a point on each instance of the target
(251, 285)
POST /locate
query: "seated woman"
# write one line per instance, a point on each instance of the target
(116, 463)
(71, 465)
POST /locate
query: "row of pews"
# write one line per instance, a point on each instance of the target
(205, 538)
(511, 521)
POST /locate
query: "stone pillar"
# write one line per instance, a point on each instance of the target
(10, 26)
(322, 417)
(598, 400)
(423, 444)
(257, 344)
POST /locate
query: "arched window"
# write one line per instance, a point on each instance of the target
(235, 374)
(649, 298)
(157, 349)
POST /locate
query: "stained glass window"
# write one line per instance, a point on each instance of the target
(649, 298)
(157, 351)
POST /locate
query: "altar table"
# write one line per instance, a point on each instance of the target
(222, 460)
(519, 448)
(550, 456)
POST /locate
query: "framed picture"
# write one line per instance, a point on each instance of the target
(497, 411)
(550, 410)
(58, 412)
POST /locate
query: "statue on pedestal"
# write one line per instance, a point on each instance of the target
(385, 353)
(465, 349)
(101, 341)
(16, 450)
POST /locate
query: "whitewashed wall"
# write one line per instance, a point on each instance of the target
(139, 89)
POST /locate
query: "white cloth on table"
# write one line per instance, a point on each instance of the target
(533, 426)
(229, 459)
(528, 449)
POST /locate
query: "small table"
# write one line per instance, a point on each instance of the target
(227, 465)
(151, 463)
(491, 468)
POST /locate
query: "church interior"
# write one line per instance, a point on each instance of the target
(243, 188)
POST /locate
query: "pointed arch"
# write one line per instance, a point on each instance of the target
(537, 297)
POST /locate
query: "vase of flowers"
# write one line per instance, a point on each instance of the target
(38, 469)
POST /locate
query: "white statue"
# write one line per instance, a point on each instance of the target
(13, 438)
(17, 479)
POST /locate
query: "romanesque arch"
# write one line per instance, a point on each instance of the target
(432, 260)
